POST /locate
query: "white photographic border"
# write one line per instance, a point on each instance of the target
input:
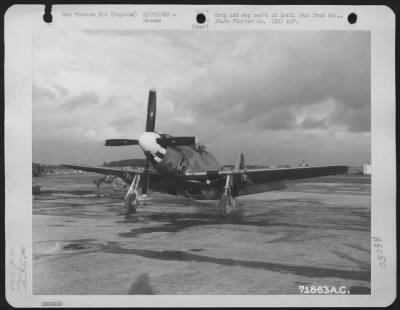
(20, 23)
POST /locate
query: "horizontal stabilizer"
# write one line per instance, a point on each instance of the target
(121, 142)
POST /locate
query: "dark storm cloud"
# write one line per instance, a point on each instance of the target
(53, 94)
(42, 93)
(122, 123)
(351, 118)
(276, 120)
(112, 100)
(314, 123)
(62, 91)
(79, 101)
(289, 70)
(261, 92)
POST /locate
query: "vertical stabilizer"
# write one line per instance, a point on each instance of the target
(240, 164)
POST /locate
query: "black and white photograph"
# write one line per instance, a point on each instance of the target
(171, 162)
(190, 162)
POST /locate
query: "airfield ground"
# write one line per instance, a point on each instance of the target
(313, 233)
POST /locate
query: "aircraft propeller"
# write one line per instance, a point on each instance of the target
(121, 142)
(173, 141)
(146, 140)
(151, 111)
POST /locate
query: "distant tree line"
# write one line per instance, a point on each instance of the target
(44, 166)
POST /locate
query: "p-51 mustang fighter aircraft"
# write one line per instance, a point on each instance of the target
(181, 166)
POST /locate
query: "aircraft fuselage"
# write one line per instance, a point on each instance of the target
(173, 162)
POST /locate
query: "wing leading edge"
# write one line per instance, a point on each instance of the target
(252, 181)
(109, 171)
(275, 174)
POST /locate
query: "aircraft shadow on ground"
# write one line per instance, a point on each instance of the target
(177, 221)
(306, 271)
(173, 222)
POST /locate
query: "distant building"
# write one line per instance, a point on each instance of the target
(355, 170)
(303, 164)
(367, 169)
(37, 170)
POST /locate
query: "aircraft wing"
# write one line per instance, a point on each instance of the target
(275, 174)
(251, 181)
(122, 173)
(157, 182)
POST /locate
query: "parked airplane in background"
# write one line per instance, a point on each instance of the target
(181, 166)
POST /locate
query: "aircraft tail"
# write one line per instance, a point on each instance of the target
(240, 164)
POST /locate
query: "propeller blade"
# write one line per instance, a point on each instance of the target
(151, 111)
(145, 178)
(121, 142)
(176, 141)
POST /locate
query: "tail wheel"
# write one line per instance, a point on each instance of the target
(131, 203)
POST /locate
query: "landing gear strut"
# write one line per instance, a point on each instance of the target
(132, 196)
(227, 201)
(98, 183)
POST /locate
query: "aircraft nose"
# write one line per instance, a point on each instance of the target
(153, 151)
(148, 142)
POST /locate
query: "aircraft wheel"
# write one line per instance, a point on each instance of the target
(131, 203)
(225, 205)
(118, 184)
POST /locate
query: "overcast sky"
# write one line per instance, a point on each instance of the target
(278, 96)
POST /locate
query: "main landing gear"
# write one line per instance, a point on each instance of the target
(227, 201)
(132, 196)
(98, 183)
(106, 179)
